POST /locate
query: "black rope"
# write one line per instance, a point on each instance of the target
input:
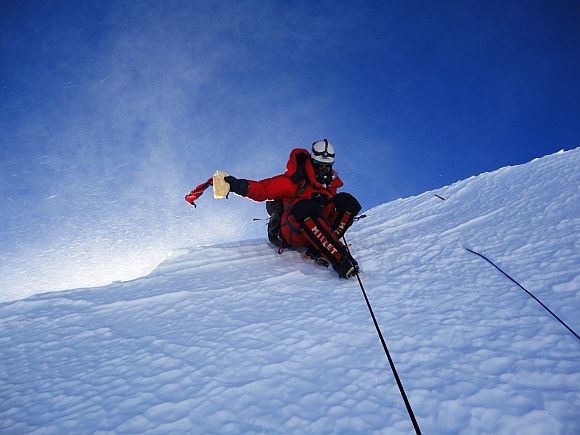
(520, 286)
(391, 363)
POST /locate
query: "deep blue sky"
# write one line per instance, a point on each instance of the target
(112, 110)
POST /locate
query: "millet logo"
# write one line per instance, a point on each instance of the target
(327, 245)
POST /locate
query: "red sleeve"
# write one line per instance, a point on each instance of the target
(278, 187)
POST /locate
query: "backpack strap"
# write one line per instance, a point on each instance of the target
(276, 210)
(300, 190)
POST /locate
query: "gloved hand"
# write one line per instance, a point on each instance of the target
(237, 186)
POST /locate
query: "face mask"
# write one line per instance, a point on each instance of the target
(323, 172)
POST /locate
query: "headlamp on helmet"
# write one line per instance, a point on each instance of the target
(322, 152)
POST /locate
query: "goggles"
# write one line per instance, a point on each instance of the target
(324, 154)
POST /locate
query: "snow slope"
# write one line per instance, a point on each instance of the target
(235, 338)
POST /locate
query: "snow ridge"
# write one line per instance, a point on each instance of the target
(237, 339)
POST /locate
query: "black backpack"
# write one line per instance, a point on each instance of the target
(275, 210)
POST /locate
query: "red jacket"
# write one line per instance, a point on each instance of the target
(288, 186)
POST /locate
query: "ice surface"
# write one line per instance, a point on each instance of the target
(237, 339)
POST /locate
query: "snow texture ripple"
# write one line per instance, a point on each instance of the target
(237, 339)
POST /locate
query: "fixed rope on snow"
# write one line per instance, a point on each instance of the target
(528, 292)
(391, 363)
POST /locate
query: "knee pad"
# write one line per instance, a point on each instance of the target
(344, 201)
(306, 208)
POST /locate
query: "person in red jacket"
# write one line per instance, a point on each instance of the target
(314, 215)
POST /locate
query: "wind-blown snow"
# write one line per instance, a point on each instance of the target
(235, 338)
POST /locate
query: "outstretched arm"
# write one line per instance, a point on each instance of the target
(278, 187)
